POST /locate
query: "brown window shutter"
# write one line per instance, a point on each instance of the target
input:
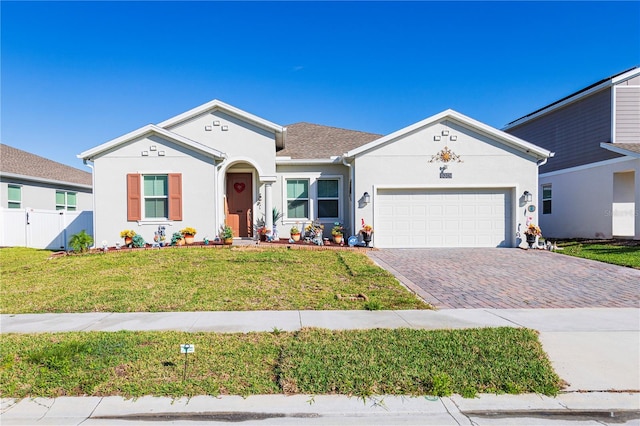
(134, 206)
(175, 196)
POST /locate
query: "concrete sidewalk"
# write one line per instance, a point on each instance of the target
(595, 350)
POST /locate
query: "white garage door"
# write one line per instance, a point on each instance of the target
(443, 218)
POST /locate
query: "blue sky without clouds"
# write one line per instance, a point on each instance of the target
(77, 74)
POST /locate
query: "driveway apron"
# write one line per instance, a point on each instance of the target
(503, 278)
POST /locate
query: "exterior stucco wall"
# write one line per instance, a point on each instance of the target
(41, 195)
(582, 200)
(241, 140)
(199, 201)
(313, 173)
(406, 163)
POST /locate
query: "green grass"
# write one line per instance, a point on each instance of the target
(195, 279)
(621, 253)
(311, 361)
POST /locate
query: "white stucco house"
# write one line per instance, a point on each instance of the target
(446, 181)
(591, 188)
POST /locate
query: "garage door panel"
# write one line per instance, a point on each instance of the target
(443, 218)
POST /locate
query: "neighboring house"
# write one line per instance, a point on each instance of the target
(447, 181)
(591, 188)
(42, 200)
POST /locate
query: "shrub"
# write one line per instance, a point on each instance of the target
(81, 241)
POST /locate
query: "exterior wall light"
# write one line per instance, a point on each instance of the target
(528, 197)
(366, 198)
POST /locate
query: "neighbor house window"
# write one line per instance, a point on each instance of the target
(66, 201)
(154, 196)
(297, 198)
(328, 190)
(14, 197)
(546, 199)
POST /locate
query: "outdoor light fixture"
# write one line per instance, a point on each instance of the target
(366, 198)
(528, 197)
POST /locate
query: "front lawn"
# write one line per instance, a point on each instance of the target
(310, 361)
(617, 252)
(196, 279)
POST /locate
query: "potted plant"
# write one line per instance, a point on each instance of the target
(366, 232)
(263, 231)
(188, 234)
(531, 233)
(177, 239)
(227, 235)
(128, 235)
(337, 232)
(295, 233)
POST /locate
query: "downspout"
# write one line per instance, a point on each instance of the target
(93, 198)
(352, 218)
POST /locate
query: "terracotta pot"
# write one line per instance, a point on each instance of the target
(337, 239)
(128, 241)
(228, 241)
(180, 242)
(188, 238)
(295, 237)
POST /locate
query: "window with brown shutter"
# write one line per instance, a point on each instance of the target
(175, 196)
(134, 206)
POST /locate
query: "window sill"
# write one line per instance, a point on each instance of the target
(155, 222)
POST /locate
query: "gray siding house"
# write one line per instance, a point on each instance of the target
(591, 187)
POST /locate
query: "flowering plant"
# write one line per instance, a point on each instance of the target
(263, 230)
(366, 229)
(338, 229)
(294, 230)
(533, 230)
(314, 229)
(127, 233)
(188, 231)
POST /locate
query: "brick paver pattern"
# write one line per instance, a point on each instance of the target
(502, 278)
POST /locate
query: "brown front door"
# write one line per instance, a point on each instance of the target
(239, 201)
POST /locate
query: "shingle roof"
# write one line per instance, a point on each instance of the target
(633, 147)
(19, 162)
(314, 141)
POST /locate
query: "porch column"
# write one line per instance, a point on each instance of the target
(268, 215)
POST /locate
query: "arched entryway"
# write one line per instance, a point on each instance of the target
(239, 203)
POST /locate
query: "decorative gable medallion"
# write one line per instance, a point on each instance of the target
(445, 156)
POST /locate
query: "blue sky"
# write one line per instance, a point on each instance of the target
(77, 74)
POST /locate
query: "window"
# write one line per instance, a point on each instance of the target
(154, 196)
(328, 198)
(297, 198)
(546, 199)
(156, 199)
(14, 196)
(66, 201)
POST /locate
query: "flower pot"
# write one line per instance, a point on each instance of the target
(188, 238)
(337, 239)
(180, 242)
(128, 241)
(228, 241)
(531, 239)
(295, 237)
(263, 237)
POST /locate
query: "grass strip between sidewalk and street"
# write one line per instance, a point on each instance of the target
(309, 361)
(196, 279)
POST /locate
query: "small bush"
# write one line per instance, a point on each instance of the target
(81, 241)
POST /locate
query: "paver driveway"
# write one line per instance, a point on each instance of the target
(510, 278)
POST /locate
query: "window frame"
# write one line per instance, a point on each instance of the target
(547, 202)
(287, 199)
(66, 206)
(313, 179)
(14, 201)
(144, 197)
(319, 199)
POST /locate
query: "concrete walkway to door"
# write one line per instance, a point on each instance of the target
(502, 278)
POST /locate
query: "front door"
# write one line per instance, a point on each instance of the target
(239, 203)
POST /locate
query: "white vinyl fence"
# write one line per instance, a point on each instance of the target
(43, 229)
